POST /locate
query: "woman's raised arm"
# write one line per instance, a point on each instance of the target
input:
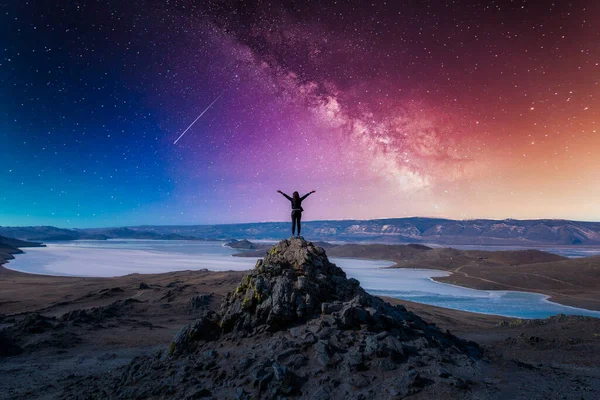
(307, 194)
(286, 196)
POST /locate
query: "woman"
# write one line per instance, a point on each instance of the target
(296, 208)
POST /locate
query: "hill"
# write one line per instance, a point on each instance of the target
(10, 246)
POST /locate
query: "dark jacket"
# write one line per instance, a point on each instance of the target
(296, 205)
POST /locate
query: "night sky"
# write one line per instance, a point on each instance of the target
(388, 109)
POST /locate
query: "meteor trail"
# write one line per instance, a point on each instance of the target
(192, 124)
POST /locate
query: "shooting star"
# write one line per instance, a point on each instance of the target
(192, 124)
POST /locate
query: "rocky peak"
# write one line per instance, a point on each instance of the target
(297, 327)
(288, 286)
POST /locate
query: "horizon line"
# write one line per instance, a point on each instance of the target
(307, 221)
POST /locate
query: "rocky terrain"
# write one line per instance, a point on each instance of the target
(293, 327)
(297, 327)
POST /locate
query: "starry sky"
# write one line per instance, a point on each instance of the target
(469, 109)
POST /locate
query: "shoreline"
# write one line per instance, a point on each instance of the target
(453, 279)
(24, 278)
(33, 280)
(545, 298)
(548, 296)
(571, 282)
(36, 275)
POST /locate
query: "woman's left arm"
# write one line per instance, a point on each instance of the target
(285, 195)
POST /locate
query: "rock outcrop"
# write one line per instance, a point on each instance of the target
(297, 327)
(288, 286)
(243, 244)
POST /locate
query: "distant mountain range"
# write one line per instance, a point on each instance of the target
(394, 230)
(51, 233)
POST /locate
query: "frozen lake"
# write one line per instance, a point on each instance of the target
(122, 257)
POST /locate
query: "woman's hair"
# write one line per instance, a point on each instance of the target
(296, 196)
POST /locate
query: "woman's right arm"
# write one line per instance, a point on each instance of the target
(286, 196)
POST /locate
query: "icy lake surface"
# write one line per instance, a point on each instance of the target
(122, 257)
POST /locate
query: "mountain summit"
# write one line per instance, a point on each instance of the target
(296, 326)
(294, 282)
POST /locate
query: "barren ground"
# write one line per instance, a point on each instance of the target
(553, 358)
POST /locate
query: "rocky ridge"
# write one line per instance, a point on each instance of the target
(296, 326)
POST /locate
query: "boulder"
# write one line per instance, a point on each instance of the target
(200, 301)
(205, 328)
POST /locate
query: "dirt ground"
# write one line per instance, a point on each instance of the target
(56, 330)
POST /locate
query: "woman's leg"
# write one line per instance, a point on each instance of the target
(293, 223)
(299, 218)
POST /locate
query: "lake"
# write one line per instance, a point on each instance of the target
(122, 257)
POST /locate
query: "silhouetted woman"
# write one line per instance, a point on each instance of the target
(296, 208)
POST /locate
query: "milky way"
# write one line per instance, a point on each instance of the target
(387, 109)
